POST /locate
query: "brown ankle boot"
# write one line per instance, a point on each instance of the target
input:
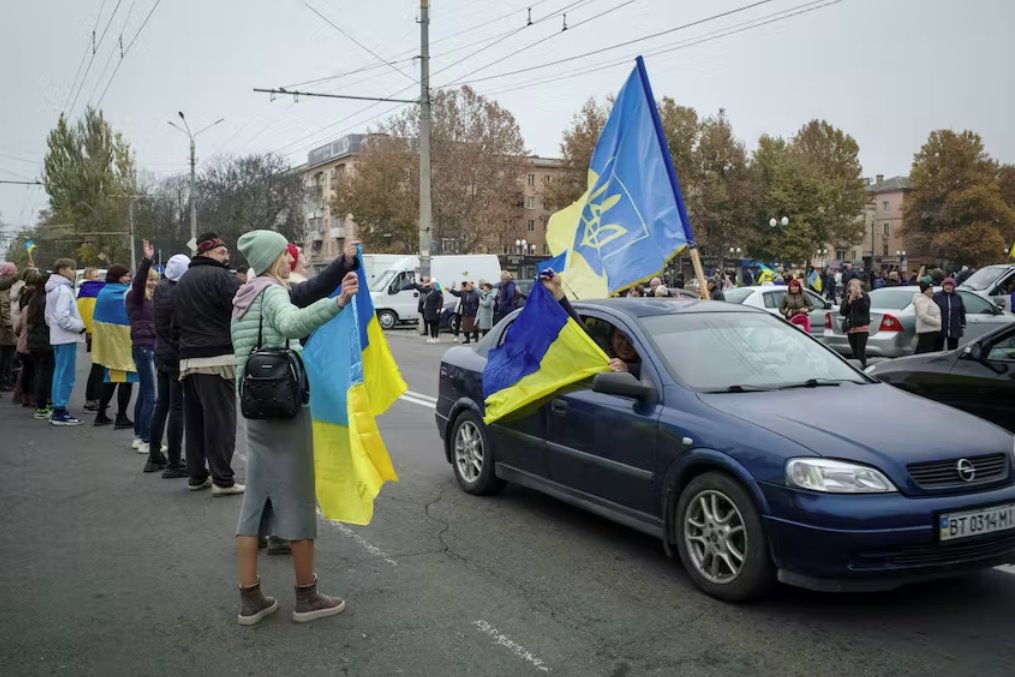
(311, 605)
(254, 606)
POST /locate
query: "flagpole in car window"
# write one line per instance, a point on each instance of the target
(685, 222)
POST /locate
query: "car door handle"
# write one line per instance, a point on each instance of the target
(558, 408)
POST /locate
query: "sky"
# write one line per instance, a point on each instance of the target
(888, 72)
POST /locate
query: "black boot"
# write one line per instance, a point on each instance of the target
(122, 423)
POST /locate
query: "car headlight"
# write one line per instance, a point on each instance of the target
(836, 477)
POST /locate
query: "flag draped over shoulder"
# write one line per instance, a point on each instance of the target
(353, 379)
(544, 350)
(88, 294)
(631, 220)
(111, 346)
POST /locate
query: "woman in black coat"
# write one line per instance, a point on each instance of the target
(432, 308)
(856, 308)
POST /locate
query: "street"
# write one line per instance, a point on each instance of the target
(109, 571)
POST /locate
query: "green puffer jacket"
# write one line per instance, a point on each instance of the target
(282, 320)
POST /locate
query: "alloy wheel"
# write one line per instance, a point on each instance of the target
(469, 453)
(715, 536)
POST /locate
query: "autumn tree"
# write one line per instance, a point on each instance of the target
(478, 161)
(957, 210)
(576, 148)
(90, 176)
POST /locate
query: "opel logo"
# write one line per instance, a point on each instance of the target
(966, 470)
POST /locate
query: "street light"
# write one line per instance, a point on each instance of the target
(193, 176)
(784, 221)
(521, 246)
(738, 251)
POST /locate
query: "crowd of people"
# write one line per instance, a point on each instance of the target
(184, 338)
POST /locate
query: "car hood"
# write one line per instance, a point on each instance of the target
(875, 424)
(940, 361)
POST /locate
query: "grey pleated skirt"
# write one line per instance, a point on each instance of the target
(279, 499)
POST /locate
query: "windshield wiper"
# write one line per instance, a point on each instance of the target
(819, 382)
(738, 388)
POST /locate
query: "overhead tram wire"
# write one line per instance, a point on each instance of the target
(126, 50)
(358, 43)
(683, 44)
(542, 40)
(622, 44)
(95, 51)
(112, 53)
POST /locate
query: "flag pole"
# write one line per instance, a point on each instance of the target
(699, 271)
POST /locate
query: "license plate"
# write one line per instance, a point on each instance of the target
(977, 522)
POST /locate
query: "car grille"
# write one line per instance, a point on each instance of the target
(954, 552)
(945, 474)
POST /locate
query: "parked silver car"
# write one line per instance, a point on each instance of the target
(994, 283)
(770, 297)
(893, 322)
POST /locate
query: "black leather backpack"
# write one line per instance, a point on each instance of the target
(275, 383)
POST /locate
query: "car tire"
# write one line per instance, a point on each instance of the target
(716, 520)
(387, 319)
(472, 456)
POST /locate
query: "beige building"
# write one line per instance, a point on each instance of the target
(882, 219)
(328, 165)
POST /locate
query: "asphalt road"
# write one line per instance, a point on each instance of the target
(108, 571)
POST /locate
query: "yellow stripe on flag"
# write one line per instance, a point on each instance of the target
(384, 383)
(351, 464)
(111, 346)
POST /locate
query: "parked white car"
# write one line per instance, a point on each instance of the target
(770, 297)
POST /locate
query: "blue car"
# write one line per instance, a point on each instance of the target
(752, 451)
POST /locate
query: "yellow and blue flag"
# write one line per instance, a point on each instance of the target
(30, 246)
(88, 294)
(111, 345)
(631, 220)
(814, 281)
(543, 351)
(353, 379)
(1011, 252)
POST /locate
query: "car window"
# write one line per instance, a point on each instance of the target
(976, 305)
(892, 299)
(715, 351)
(1003, 350)
(1005, 284)
(983, 278)
(738, 295)
(773, 299)
(815, 300)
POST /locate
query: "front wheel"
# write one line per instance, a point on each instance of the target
(472, 456)
(721, 539)
(387, 319)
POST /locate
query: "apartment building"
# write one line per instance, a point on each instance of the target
(883, 243)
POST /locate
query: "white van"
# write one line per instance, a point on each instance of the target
(374, 265)
(395, 305)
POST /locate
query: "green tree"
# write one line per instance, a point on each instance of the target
(957, 210)
(90, 176)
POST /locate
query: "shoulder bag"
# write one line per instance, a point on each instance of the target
(275, 383)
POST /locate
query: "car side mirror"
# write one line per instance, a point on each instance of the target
(623, 384)
(974, 352)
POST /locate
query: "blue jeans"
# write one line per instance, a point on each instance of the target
(144, 360)
(63, 374)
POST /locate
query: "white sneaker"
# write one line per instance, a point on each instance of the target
(437, 340)
(234, 490)
(136, 443)
(144, 448)
(165, 448)
(456, 339)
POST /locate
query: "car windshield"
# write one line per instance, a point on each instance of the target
(383, 280)
(738, 295)
(737, 352)
(893, 299)
(983, 278)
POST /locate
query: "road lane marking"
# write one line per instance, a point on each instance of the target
(513, 646)
(423, 403)
(421, 396)
(367, 545)
(1006, 568)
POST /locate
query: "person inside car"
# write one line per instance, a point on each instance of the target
(625, 357)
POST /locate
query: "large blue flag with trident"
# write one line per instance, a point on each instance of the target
(631, 220)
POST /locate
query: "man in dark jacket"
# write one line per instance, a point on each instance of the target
(202, 308)
(714, 292)
(953, 316)
(847, 275)
(469, 310)
(169, 403)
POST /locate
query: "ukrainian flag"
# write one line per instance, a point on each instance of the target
(111, 345)
(814, 281)
(1011, 252)
(631, 220)
(543, 351)
(353, 379)
(87, 295)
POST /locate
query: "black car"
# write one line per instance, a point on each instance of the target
(978, 377)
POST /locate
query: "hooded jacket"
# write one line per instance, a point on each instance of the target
(202, 308)
(265, 298)
(62, 316)
(928, 315)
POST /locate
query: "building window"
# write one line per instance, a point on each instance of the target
(532, 225)
(885, 250)
(530, 201)
(546, 222)
(884, 206)
(546, 179)
(532, 179)
(546, 249)
(886, 230)
(840, 254)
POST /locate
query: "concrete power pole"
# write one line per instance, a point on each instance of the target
(425, 205)
(193, 199)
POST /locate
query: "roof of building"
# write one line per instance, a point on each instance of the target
(892, 185)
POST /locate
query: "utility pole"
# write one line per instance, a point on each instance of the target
(130, 222)
(193, 200)
(425, 204)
